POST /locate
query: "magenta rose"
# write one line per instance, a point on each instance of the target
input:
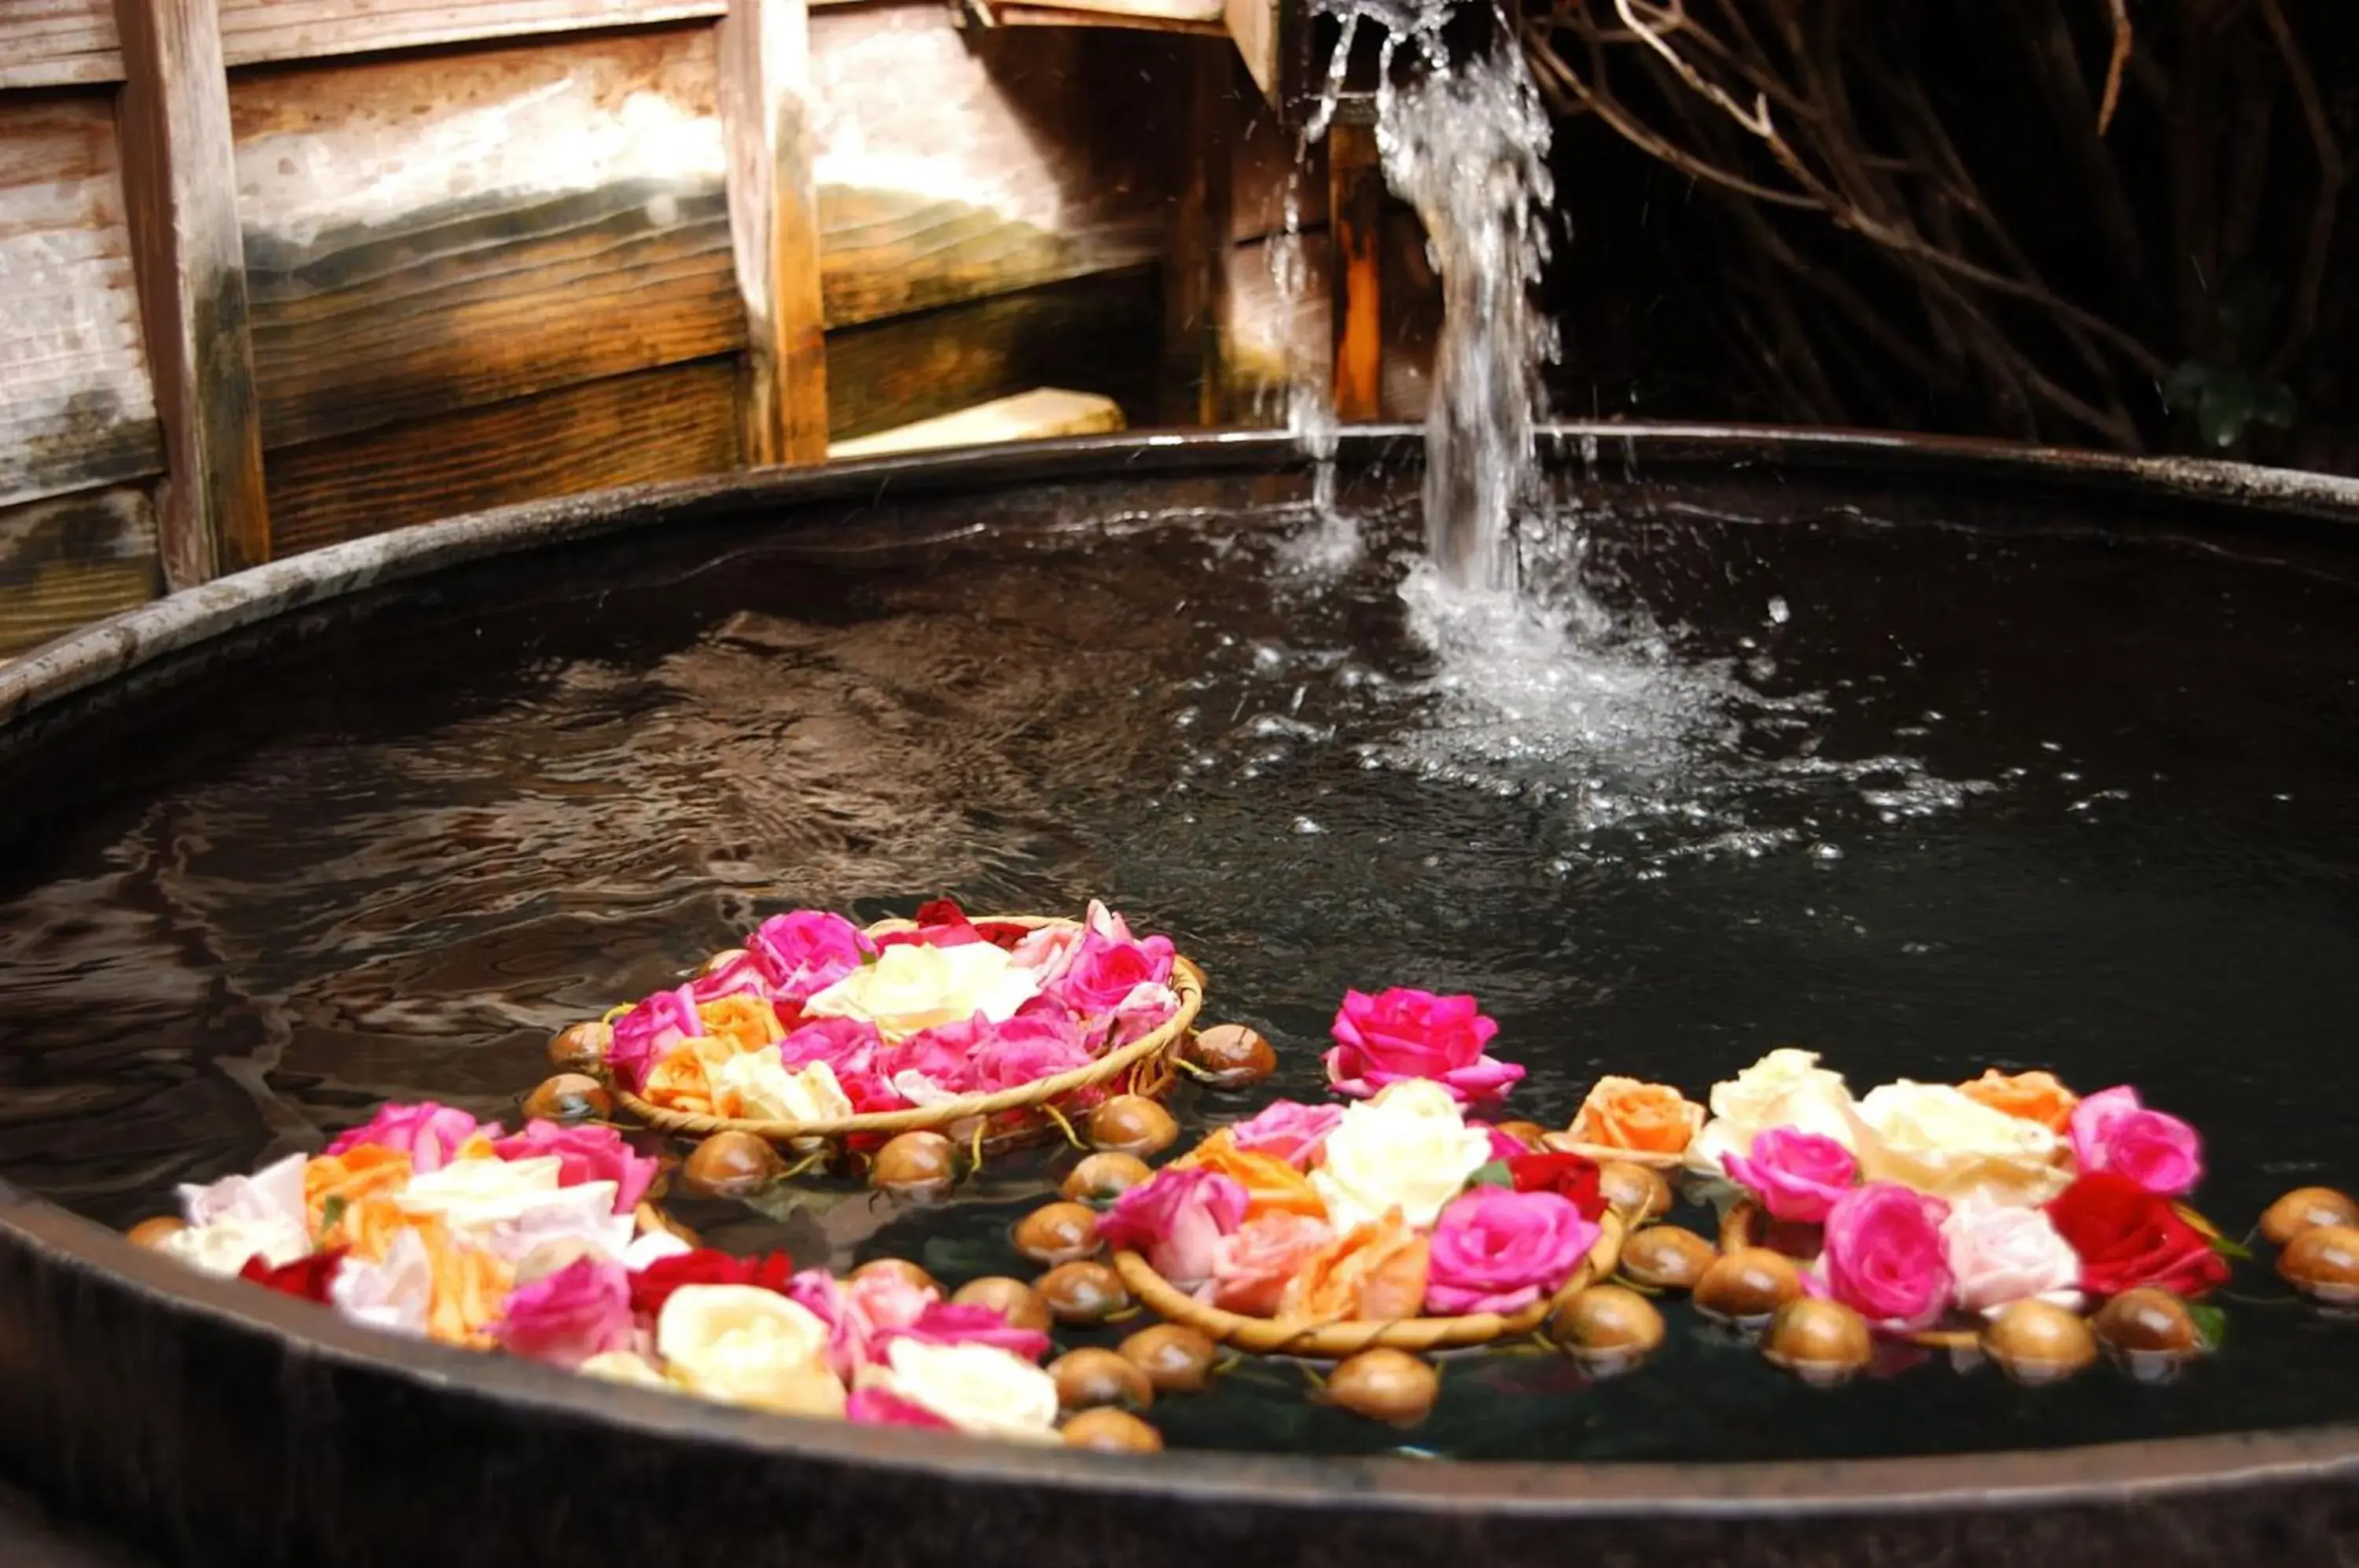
(1113, 973)
(2112, 1131)
(1884, 1256)
(585, 1154)
(935, 1065)
(951, 1323)
(1504, 1145)
(1176, 1218)
(803, 953)
(1498, 1251)
(582, 1310)
(1038, 1042)
(881, 1406)
(651, 1031)
(742, 976)
(1404, 1033)
(429, 1134)
(1288, 1129)
(853, 1050)
(1796, 1175)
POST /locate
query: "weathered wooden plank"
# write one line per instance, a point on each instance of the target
(1101, 333)
(670, 423)
(47, 43)
(179, 176)
(255, 30)
(76, 407)
(69, 560)
(429, 234)
(1195, 299)
(774, 220)
(951, 167)
(1027, 416)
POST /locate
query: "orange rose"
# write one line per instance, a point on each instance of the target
(746, 1023)
(678, 1083)
(1272, 1185)
(1375, 1274)
(1646, 1118)
(363, 1171)
(471, 1288)
(2034, 1097)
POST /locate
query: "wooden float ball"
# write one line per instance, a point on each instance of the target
(569, 1098)
(1175, 1358)
(1058, 1233)
(1013, 1300)
(1132, 1124)
(730, 1165)
(1389, 1386)
(1230, 1055)
(1108, 1430)
(1094, 1376)
(915, 1165)
(1102, 1177)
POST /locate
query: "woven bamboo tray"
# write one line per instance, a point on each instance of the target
(1144, 1067)
(1338, 1341)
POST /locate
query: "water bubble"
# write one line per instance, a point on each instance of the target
(1779, 613)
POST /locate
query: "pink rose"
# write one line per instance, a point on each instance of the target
(742, 976)
(1884, 1256)
(1251, 1263)
(1115, 982)
(803, 953)
(1289, 1130)
(651, 1031)
(429, 1134)
(582, 1310)
(948, 1323)
(1499, 1251)
(1047, 952)
(852, 1048)
(940, 1061)
(585, 1154)
(1796, 1175)
(1038, 1042)
(1402, 1033)
(2113, 1131)
(881, 1406)
(1503, 1146)
(1176, 1218)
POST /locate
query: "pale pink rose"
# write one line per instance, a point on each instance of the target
(429, 1134)
(804, 953)
(1404, 1033)
(1999, 1254)
(1884, 1257)
(1289, 1130)
(1047, 952)
(853, 1051)
(582, 1310)
(1796, 1175)
(1176, 1219)
(2112, 1131)
(1251, 1263)
(862, 1315)
(1039, 1041)
(585, 1153)
(1499, 1251)
(876, 1406)
(651, 1031)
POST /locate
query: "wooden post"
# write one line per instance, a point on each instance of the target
(1196, 272)
(774, 219)
(179, 182)
(1355, 216)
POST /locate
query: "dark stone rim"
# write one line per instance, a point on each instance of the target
(77, 1259)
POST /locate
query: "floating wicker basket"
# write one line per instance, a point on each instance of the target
(1337, 1340)
(1142, 1067)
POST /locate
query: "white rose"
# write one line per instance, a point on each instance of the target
(745, 1346)
(758, 1085)
(1785, 1088)
(978, 1388)
(395, 1294)
(649, 1247)
(227, 1245)
(2000, 1254)
(1938, 1140)
(913, 987)
(477, 1194)
(625, 1367)
(584, 1213)
(273, 1193)
(1408, 1148)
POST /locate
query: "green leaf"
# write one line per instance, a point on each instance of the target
(2211, 1322)
(1495, 1174)
(2234, 1251)
(331, 1211)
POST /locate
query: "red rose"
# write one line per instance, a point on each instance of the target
(652, 1287)
(308, 1278)
(2126, 1235)
(943, 924)
(1573, 1176)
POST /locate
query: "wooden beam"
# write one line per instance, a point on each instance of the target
(180, 189)
(52, 43)
(1355, 206)
(774, 219)
(1196, 280)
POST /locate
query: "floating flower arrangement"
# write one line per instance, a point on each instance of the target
(818, 1029)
